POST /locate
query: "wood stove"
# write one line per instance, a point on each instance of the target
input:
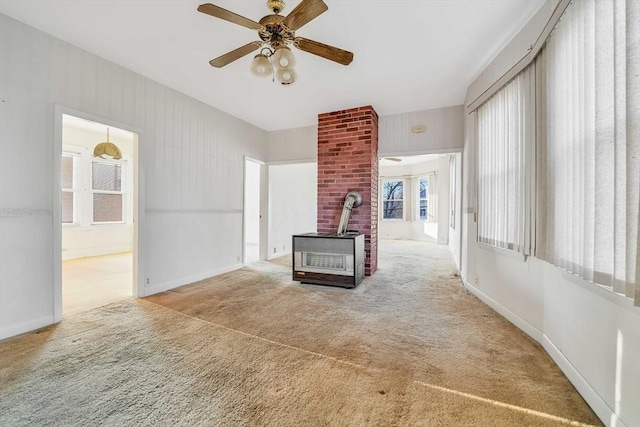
(329, 259)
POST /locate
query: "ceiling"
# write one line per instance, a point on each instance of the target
(88, 125)
(410, 55)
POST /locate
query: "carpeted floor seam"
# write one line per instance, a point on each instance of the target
(261, 338)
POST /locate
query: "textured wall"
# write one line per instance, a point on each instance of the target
(292, 145)
(191, 163)
(444, 132)
(348, 161)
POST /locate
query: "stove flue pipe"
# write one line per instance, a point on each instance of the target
(352, 200)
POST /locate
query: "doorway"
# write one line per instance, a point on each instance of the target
(420, 198)
(98, 195)
(252, 213)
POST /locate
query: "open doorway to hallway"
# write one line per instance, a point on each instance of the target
(97, 214)
(252, 209)
(419, 198)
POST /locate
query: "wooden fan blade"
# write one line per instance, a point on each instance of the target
(304, 12)
(218, 12)
(238, 53)
(331, 53)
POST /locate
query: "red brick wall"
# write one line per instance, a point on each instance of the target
(348, 161)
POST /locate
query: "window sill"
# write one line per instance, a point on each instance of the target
(501, 251)
(600, 290)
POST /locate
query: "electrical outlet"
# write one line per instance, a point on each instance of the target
(237, 259)
(477, 281)
(274, 249)
(147, 282)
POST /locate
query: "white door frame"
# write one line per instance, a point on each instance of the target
(262, 237)
(139, 270)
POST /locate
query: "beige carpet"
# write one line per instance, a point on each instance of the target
(408, 347)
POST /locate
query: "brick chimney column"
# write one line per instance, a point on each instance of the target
(348, 161)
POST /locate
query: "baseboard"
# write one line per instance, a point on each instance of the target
(92, 252)
(512, 317)
(593, 399)
(165, 286)
(599, 406)
(24, 327)
(278, 254)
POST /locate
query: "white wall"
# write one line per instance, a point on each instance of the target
(86, 240)
(300, 144)
(591, 333)
(455, 229)
(293, 201)
(191, 163)
(444, 132)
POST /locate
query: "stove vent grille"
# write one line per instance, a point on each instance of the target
(328, 261)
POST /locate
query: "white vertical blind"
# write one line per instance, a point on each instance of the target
(589, 155)
(432, 207)
(505, 131)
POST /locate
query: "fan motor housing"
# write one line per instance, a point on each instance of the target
(275, 5)
(276, 34)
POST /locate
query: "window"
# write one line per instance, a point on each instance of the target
(68, 188)
(505, 158)
(94, 190)
(423, 196)
(588, 154)
(106, 178)
(392, 199)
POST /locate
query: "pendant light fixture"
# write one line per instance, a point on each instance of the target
(107, 150)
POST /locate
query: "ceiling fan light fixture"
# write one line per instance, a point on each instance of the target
(261, 66)
(276, 34)
(286, 76)
(283, 58)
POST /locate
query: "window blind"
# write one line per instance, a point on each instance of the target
(432, 208)
(505, 133)
(589, 145)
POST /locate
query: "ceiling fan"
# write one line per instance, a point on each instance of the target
(276, 33)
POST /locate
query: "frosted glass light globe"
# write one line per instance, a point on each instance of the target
(261, 66)
(283, 58)
(286, 76)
